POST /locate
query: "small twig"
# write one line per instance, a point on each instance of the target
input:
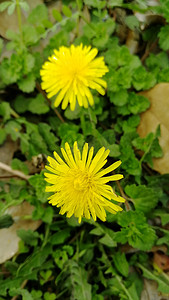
(148, 50)
(123, 195)
(14, 172)
(22, 287)
(45, 96)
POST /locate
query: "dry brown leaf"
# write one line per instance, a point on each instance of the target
(6, 154)
(158, 113)
(161, 260)
(8, 236)
(150, 291)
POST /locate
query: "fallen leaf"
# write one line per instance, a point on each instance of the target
(158, 113)
(8, 236)
(150, 291)
(6, 154)
(161, 260)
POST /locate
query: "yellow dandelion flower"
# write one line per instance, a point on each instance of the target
(79, 184)
(71, 72)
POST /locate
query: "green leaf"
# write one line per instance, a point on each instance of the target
(135, 230)
(60, 257)
(27, 84)
(17, 164)
(38, 182)
(30, 35)
(24, 5)
(49, 137)
(2, 136)
(131, 123)
(113, 3)
(10, 69)
(37, 144)
(121, 263)
(38, 105)
(137, 103)
(57, 15)
(60, 237)
(129, 160)
(49, 296)
(161, 279)
(164, 38)
(132, 22)
(144, 198)
(79, 287)
(150, 145)
(4, 5)
(28, 236)
(94, 3)
(5, 110)
(142, 80)
(47, 216)
(38, 15)
(13, 128)
(28, 62)
(119, 98)
(108, 239)
(25, 294)
(66, 11)
(6, 221)
(11, 9)
(163, 215)
(21, 104)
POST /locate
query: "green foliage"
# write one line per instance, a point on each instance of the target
(6, 221)
(144, 198)
(135, 231)
(61, 257)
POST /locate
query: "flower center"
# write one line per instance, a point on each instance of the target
(82, 182)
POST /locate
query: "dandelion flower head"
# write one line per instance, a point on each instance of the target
(79, 185)
(71, 72)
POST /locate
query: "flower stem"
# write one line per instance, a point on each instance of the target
(18, 9)
(83, 124)
(78, 20)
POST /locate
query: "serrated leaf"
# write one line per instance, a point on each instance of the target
(144, 198)
(38, 182)
(49, 137)
(161, 279)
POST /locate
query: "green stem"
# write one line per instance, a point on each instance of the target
(88, 23)
(78, 20)
(19, 18)
(83, 124)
